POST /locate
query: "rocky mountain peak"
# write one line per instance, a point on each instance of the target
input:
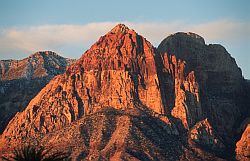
(42, 54)
(219, 83)
(118, 49)
(120, 28)
(186, 36)
(39, 64)
(21, 80)
(118, 71)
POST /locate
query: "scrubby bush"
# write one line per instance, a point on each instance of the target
(33, 153)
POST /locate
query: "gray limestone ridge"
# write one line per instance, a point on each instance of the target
(21, 80)
(39, 64)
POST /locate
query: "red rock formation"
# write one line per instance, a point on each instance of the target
(243, 145)
(118, 71)
(219, 78)
(180, 89)
(204, 135)
(122, 69)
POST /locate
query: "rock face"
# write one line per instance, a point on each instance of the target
(203, 134)
(21, 80)
(176, 102)
(243, 145)
(218, 76)
(180, 91)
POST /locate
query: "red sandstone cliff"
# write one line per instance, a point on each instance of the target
(243, 145)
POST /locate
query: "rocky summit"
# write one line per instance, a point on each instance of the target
(21, 80)
(127, 100)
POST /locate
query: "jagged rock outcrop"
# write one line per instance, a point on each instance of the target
(21, 80)
(218, 76)
(243, 145)
(180, 91)
(203, 134)
(156, 95)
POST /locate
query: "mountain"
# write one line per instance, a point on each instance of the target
(221, 85)
(21, 80)
(127, 100)
(39, 64)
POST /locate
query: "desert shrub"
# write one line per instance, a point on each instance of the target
(33, 153)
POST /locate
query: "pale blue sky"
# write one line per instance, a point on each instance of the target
(70, 27)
